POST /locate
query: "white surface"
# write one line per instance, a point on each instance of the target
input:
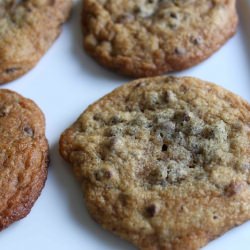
(63, 84)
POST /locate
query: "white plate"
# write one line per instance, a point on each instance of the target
(63, 84)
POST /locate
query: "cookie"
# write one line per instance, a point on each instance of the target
(27, 30)
(23, 156)
(151, 37)
(164, 162)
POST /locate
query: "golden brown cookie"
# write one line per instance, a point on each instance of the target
(23, 156)
(151, 37)
(27, 30)
(164, 162)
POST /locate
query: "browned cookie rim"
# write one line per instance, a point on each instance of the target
(20, 204)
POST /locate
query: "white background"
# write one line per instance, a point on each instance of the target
(63, 84)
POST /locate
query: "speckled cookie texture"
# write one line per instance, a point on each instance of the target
(151, 37)
(23, 156)
(164, 162)
(27, 30)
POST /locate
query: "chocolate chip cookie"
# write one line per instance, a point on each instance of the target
(23, 156)
(151, 37)
(164, 162)
(27, 30)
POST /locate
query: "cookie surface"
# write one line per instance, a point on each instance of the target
(150, 37)
(27, 30)
(23, 156)
(164, 162)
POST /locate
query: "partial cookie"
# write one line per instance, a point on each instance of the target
(151, 37)
(164, 162)
(27, 30)
(23, 156)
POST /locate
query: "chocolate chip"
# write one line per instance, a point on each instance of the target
(137, 10)
(115, 119)
(163, 183)
(164, 148)
(182, 116)
(208, 133)
(180, 51)
(234, 188)
(149, 125)
(151, 210)
(28, 9)
(97, 117)
(196, 40)
(107, 174)
(191, 165)
(183, 88)
(195, 149)
(173, 15)
(4, 111)
(28, 131)
(11, 70)
(186, 117)
(102, 174)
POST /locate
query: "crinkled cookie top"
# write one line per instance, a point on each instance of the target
(150, 37)
(164, 162)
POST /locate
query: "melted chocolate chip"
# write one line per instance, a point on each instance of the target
(183, 88)
(97, 117)
(137, 10)
(11, 70)
(163, 183)
(182, 117)
(215, 217)
(28, 131)
(151, 210)
(186, 117)
(115, 119)
(196, 40)
(3, 111)
(234, 188)
(164, 148)
(173, 15)
(208, 133)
